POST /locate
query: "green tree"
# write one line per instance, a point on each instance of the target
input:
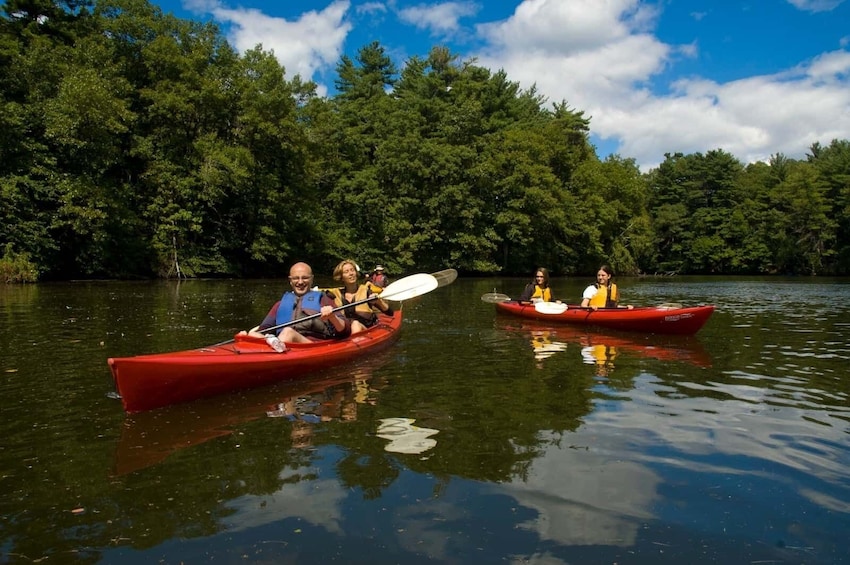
(692, 197)
(748, 228)
(613, 200)
(669, 211)
(273, 203)
(64, 106)
(359, 205)
(833, 165)
(803, 232)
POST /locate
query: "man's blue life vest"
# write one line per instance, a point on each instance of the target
(311, 303)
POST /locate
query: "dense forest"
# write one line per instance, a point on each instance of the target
(137, 144)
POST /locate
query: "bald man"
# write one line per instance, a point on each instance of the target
(300, 302)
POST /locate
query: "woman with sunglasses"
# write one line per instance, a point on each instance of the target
(538, 290)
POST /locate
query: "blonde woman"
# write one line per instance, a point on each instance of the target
(363, 315)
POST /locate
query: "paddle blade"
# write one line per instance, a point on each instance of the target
(445, 277)
(494, 297)
(550, 307)
(409, 287)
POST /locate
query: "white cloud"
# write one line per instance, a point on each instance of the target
(815, 5)
(201, 6)
(750, 118)
(371, 8)
(304, 46)
(439, 18)
(599, 57)
(830, 67)
(563, 27)
(602, 57)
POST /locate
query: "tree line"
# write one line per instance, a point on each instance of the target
(137, 144)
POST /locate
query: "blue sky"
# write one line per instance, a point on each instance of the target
(753, 77)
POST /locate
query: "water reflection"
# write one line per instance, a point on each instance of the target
(734, 452)
(325, 508)
(601, 348)
(585, 497)
(147, 438)
(404, 437)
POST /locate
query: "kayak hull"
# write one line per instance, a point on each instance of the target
(647, 319)
(145, 382)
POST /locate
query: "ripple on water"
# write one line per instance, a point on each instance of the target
(732, 420)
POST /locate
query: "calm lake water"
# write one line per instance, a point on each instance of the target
(476, 439)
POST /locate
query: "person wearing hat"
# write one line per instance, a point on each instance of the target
(378, 277)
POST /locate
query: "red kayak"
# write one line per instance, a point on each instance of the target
(145, 382)
(648, 319)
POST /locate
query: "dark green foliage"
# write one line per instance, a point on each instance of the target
(833, 165)
(133, 143)
(17, 267)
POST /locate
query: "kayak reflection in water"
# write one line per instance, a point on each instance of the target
(600, 355)
(337, 403)
(544, 346)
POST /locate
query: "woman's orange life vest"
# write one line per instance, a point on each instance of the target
(544, 294)
(606, 296)
(363, 312)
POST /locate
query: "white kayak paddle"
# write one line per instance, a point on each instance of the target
(550, 307)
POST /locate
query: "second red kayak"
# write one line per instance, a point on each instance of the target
(647, 319)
